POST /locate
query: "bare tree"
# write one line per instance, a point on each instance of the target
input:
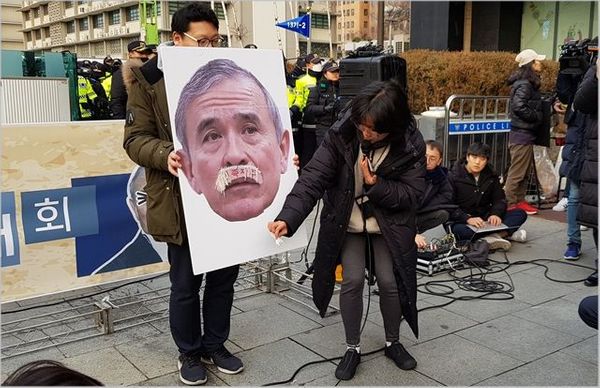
(398, 14)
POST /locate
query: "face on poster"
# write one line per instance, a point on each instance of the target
(231, 127)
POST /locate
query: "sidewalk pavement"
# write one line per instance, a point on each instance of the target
(534, 339)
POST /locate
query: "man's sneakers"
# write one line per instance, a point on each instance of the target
(519, 236)
(561, 206)
(347, 366)
(191, 370)
(592, 280)
(400, 356)
(526, 207)
(223, 360)
(496, 242)
(573, 251)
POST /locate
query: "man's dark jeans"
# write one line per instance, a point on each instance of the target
(513, 219)
(184, 304)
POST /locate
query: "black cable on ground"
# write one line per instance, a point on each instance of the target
(304, 253)
(313, 363)
(81, 297)
(475, 281)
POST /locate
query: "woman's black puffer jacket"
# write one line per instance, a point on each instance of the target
(525, 105)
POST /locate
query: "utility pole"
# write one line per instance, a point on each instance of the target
(309, 12)
(380, 22)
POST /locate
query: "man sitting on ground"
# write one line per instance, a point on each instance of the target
(482, 203)
(437, 198)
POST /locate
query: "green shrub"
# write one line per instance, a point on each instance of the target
(433, 76)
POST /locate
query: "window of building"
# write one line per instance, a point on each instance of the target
(71, 27)
(83, 24)
(317, 20)
(114, 17)
(339, 25)
(26, 14)
(347, 36)
(175, 5)
(68, 4)
(46, 32)
(38, 34)
(45, 9)
(352, 12)
(98, 21)
(28, 36)
(352, 24)
(149, 9)
(366, 12)
(339, 37)
(366, 24)
(36, 13)
(132, 14)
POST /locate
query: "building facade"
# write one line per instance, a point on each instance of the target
(502, 26)
(12, 38)
(94, 29)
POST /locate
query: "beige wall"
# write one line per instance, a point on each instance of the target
(12, 38)
(356, 19)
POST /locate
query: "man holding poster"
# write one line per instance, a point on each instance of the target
(148, 141)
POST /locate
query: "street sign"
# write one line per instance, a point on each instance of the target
(472, 127)
(300, 25)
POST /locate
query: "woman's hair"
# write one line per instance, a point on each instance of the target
(526, 73)
(48, 373)
(385, 104)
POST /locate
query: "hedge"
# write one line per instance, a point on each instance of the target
(433, 76)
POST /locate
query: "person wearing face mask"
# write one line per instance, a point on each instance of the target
(526, 116)
(138, 54)
(321, 107)
(370, 173)
(314, 70)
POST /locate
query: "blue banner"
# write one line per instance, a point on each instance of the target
(300, 25)
(475, 127)
(59, 214)
(9, 238)
(119, 243)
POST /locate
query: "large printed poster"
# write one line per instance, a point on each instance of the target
(73, 210)
(231, 127)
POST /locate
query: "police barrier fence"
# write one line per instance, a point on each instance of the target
(470, 119)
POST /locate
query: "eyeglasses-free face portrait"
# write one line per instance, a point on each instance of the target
(234, 148)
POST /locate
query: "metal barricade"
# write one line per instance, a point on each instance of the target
(471, 119)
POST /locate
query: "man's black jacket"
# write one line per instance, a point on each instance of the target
(481, 198)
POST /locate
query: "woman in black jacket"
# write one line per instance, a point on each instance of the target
(586, 101)
(370, 172)
(525, 118)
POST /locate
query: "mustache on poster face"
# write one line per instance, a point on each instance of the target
(232, 175)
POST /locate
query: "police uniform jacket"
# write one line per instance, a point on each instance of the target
(394, 197)
(148, 142)
(323, 94)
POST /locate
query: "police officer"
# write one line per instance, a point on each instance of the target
(321, 105)
(303, 83)
(85, 91)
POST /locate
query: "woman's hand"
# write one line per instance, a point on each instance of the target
(368, 177)
(278, 228)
